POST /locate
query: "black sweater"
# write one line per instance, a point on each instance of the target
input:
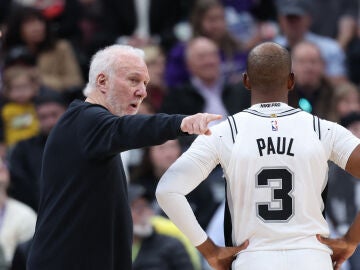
(84, 220)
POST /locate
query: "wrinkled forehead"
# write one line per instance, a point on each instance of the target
(133, 64)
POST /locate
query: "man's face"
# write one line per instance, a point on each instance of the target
(294, 27)
(214, 24)
(141, 213)
(308, 65)
(48, 115)
(162, 156)
(22, 89)
(204, 60)
(33, 31)
(127, 87)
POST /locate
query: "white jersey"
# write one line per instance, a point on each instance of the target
(274, 159)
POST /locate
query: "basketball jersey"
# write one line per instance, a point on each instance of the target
(276, 174)
(274, 159)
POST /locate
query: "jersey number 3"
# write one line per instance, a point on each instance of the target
(280, 183)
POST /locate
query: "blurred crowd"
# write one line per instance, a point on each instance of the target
(196, 52)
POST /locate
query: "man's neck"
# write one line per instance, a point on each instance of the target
(261, 98)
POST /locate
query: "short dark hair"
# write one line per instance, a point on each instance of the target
(268, 65)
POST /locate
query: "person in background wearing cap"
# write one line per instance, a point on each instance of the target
(295, 20)
(84, 219)
(26, 157)
(151, 249)
(343, 201)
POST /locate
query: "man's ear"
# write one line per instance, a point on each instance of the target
(246, 81)
(291, 81)
(102, 82)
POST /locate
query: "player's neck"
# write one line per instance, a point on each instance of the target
(265, 98)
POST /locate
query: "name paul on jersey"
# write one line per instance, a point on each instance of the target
(275, 145)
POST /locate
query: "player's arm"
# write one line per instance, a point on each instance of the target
(179, 180)
(353, 164)
(183, 176)
(345, 246)
(346, 154)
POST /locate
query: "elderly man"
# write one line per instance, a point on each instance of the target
(84, 219)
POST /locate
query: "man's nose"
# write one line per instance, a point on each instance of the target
(141, 91)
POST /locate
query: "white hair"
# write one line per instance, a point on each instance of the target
(105, 61)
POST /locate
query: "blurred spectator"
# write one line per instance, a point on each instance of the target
(349, 40)
(157, 159)
(156, 88)
(82, 23)
(343, 201)
(151, 249)
(55, 11)
(326, 14)
(251, 21)
(56, 62)
(18, 55)
(208, 20)
(18, 116)
(140, 23)
(206, 90)
(312, 92)
(346, 100)
(26, 157)
(17, 220)
(295, 20)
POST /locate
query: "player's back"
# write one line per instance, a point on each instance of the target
(276, 175)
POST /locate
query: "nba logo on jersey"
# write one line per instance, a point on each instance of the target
(274, 125)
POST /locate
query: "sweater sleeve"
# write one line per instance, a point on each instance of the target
(104, 134)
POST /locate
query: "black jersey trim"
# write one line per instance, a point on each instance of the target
(231, 128)
(227, 221)
(227, 215)
(282, 114)
(324, 196)
(316, 126)
(236, 131)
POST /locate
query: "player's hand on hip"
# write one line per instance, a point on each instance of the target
(220, 258)
(341, 247)
(198, 123)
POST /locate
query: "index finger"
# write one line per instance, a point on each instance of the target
(332, 243)
(212, 117)
(323, 239)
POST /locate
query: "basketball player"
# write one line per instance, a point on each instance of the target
(274, 159)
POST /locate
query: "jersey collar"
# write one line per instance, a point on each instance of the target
(271, 107)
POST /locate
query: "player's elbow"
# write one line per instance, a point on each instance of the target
(161, 192)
